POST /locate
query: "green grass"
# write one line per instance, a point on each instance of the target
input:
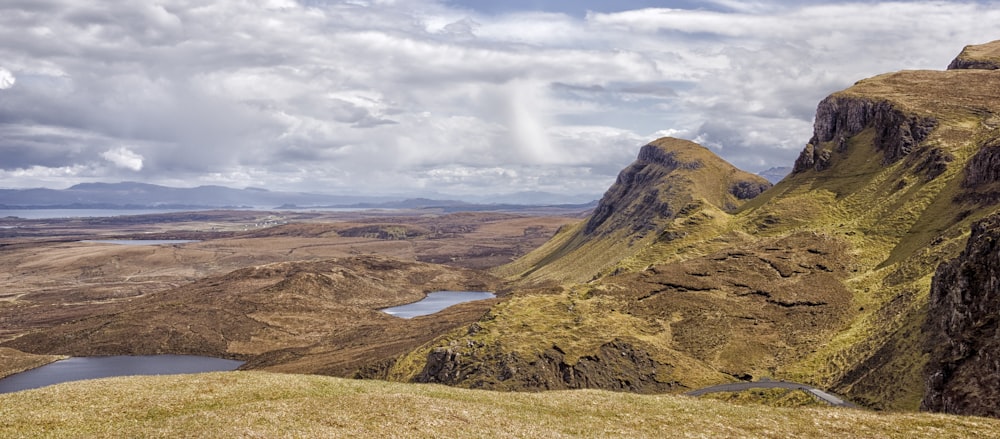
(253, 404)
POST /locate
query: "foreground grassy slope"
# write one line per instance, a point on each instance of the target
(257, 404)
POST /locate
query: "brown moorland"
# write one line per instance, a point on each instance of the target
(308, 282)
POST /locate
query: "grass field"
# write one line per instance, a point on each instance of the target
(259, 404)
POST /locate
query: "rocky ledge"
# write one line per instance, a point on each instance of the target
(838, 118)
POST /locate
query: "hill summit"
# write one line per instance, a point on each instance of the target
(672, 181)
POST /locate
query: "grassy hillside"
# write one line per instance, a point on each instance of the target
(823, 279)
(257, 404)
(673, 184)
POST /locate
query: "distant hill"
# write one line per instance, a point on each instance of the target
(775, 174)
(132, 195)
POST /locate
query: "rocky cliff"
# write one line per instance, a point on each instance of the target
(963, 326)
(983, 56)
(839, 118)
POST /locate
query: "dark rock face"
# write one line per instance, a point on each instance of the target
(963, 326)
(981, 179)
(746, 190)
(617, 365)
(840, 118)
(968, 60)
(977, 64)
(984, 168)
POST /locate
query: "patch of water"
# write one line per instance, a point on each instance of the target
(435, 302)
(85, 368)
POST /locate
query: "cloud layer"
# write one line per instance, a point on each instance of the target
(421, 96)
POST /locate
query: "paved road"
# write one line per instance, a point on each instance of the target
(823, 395)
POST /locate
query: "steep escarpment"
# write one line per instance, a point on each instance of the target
(671, 181)
(963, 326)
(839, 118)
(982, 56)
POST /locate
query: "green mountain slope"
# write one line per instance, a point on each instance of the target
(823, 278)
(673, 184)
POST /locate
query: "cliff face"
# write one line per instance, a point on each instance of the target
(840, 118)
(963, 323)
(983, 56)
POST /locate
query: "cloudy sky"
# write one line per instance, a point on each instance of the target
(433, 96)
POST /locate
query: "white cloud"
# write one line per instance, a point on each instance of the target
(337, 96)
(122, 157)
(6, 79)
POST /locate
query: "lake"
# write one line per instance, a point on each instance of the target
(435, 302)
(85, 368)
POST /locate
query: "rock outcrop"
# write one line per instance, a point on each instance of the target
(840, 118)
(963, 373)
(617, 365)
(984, 168)
(978, 57)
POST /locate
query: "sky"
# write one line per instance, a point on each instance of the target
(453, 98)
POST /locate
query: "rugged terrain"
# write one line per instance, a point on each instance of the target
(823, 278)
(305, 286)
(688, 273)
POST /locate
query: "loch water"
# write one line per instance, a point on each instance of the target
(435, 302)
(85, 368)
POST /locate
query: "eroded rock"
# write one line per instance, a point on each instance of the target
(963, 325)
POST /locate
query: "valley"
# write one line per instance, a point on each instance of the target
(868, 274)
(300, 285)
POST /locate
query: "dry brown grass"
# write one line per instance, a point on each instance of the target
(256, 404)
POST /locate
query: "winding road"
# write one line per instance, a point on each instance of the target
(823, 395)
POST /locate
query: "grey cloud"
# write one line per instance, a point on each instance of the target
(330, 96)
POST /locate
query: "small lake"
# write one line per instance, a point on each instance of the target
(85, 368)
(141, 241)
(435, 302)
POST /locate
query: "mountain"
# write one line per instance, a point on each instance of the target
(132, 195)
(824, 278)
(673, 182)
(775, 174)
